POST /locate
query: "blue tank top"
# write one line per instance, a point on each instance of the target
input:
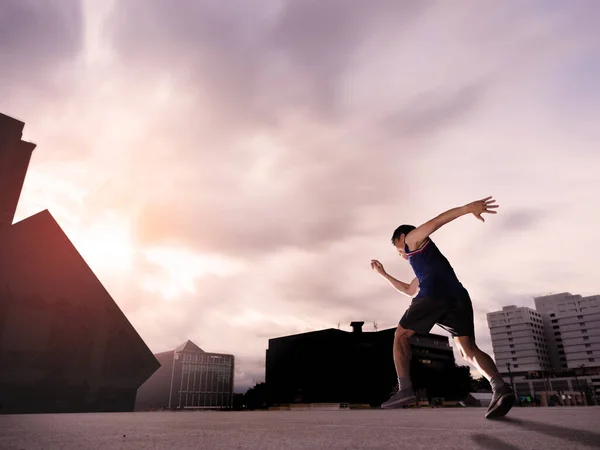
(436, 275)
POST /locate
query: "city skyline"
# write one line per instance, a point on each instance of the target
(561, 333)
(228, 174)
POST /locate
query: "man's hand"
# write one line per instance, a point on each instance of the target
(482, 206)
(408, 289)
(416, 238)
(378, 267)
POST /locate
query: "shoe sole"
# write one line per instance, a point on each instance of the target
(505, 403)
(400, 403)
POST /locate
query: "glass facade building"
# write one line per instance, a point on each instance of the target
(189, 378)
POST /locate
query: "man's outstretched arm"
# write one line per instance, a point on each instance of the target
(417, 237)
(406, 288)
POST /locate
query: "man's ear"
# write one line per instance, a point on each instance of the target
(401, 241)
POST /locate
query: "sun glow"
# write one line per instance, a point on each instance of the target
(106, 245)
(180, 269)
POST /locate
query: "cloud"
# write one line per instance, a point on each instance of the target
(38, 40)
(252, 159)
(436, 109)
(523, 220)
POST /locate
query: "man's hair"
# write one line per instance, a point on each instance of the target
(402, 229)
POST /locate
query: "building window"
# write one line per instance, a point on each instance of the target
(584, 331)
(512, 353)
(588, 345)
(515, 366)
(580, 317)
(585, 338)
(590, 353)
(514, 359)
(592, 360)
(512, 346)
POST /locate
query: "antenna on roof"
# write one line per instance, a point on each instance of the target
(375, 325)
(338, 325)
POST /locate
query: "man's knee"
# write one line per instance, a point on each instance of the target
(403, 333)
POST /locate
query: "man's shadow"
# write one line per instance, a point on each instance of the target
(561, 432)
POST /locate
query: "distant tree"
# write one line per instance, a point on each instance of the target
(462, 379)
(238, 402)
(480, 384)
(257, 397)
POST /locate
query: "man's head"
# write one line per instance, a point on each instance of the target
(399, 236)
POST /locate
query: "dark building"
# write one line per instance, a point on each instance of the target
(65, 346)
(357, 367)
(189, 378)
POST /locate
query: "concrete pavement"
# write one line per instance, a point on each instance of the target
(463, 429)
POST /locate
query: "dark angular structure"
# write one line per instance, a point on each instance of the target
(65, 346)
(189, 378)
(335, 366)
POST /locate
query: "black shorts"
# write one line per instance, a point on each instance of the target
(454, 315)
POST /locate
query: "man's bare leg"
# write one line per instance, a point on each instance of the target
(502, 394)
(481, 360)
(402, 353)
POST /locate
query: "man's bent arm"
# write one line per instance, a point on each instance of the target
(417, 237)
(405, 288)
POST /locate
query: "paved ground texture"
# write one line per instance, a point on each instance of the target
(464, 429)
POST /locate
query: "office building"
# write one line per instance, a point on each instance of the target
(336, 366)
(561, 356)
(518, 340)
(189, 378)
(573, 330)
(65, 346)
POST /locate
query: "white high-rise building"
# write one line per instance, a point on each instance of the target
(518, 340)
(572, 328)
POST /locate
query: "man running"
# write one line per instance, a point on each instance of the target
(441, 300)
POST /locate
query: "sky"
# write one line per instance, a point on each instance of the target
(229, 169)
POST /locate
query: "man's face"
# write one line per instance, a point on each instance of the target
(399, 243)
